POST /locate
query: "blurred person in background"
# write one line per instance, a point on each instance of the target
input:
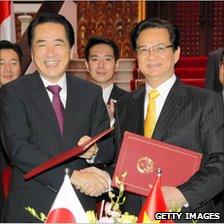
(212, 77)
(102, 56)
(10, 69)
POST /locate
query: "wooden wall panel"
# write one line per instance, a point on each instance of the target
(200, 23)
(218, 28)
(188, 22)
(111, 19)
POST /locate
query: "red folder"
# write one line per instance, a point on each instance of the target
(60, 158)
(140, 158)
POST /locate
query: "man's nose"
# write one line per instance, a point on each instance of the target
(50, 50)
(151, 53)
(101, 63)
(7, 67)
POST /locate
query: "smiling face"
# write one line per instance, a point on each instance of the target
(156, 66)
(51, 50)
(101, 64)
(9, 66)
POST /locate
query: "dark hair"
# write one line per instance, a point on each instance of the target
(5, 44)
(156, 23)
(100, 40)
(51, 18)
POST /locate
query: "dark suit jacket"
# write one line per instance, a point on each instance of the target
(191, 118)
(2, 166)
(31, 134)
(117, 93)
(212, 71)
(4, 162)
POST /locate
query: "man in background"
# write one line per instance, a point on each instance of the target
(10, 69)
(10, 61)
(167, 110)
(212, 80)
(102, 56)
(48, 112)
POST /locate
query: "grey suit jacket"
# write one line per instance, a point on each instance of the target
(31, 135)
(191, 118)
(212, 71)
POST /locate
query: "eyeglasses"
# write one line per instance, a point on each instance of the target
(158, 49)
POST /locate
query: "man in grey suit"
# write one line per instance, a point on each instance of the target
(212, 80)
(45, 113)
(185, 116)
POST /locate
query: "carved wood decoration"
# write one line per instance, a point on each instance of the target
(200, 23)
(218, 28)
(110, 19)
(188, 22)
(18, 24)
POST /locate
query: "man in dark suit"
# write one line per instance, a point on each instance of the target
(212, 80)
(10, 69)
(45, 113)
(102, 56)
(182, 115)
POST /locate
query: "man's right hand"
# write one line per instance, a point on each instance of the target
(91, 181)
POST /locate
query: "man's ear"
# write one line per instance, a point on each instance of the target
(72, 52)
(87, 65)
(177, 55)
(116, 65)
(31, 53)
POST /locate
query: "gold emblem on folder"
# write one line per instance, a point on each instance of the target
(145, 165)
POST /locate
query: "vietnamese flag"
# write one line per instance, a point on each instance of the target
(154, 203)
(7, 21)
(67, 207)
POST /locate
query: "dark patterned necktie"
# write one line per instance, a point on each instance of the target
(57, 105)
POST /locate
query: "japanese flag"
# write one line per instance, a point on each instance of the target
(7, 21)
(67, 207)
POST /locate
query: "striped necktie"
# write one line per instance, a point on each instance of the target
(57, 105)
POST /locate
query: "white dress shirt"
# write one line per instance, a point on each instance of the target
(163, 90)
(106, 93)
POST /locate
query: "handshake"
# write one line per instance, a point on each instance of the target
(91, 181)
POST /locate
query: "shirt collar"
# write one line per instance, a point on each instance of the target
(62, 82)
(163, 88)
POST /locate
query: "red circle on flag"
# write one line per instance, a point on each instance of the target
(60, 215)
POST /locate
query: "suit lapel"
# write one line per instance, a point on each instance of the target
(72, 106)
(173, 105)
(41, 99)
(138, 114)
(114, 93)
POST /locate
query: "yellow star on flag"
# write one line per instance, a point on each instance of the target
(147, 220)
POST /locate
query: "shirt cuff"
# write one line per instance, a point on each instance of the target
(112, 122)
(91, 160)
